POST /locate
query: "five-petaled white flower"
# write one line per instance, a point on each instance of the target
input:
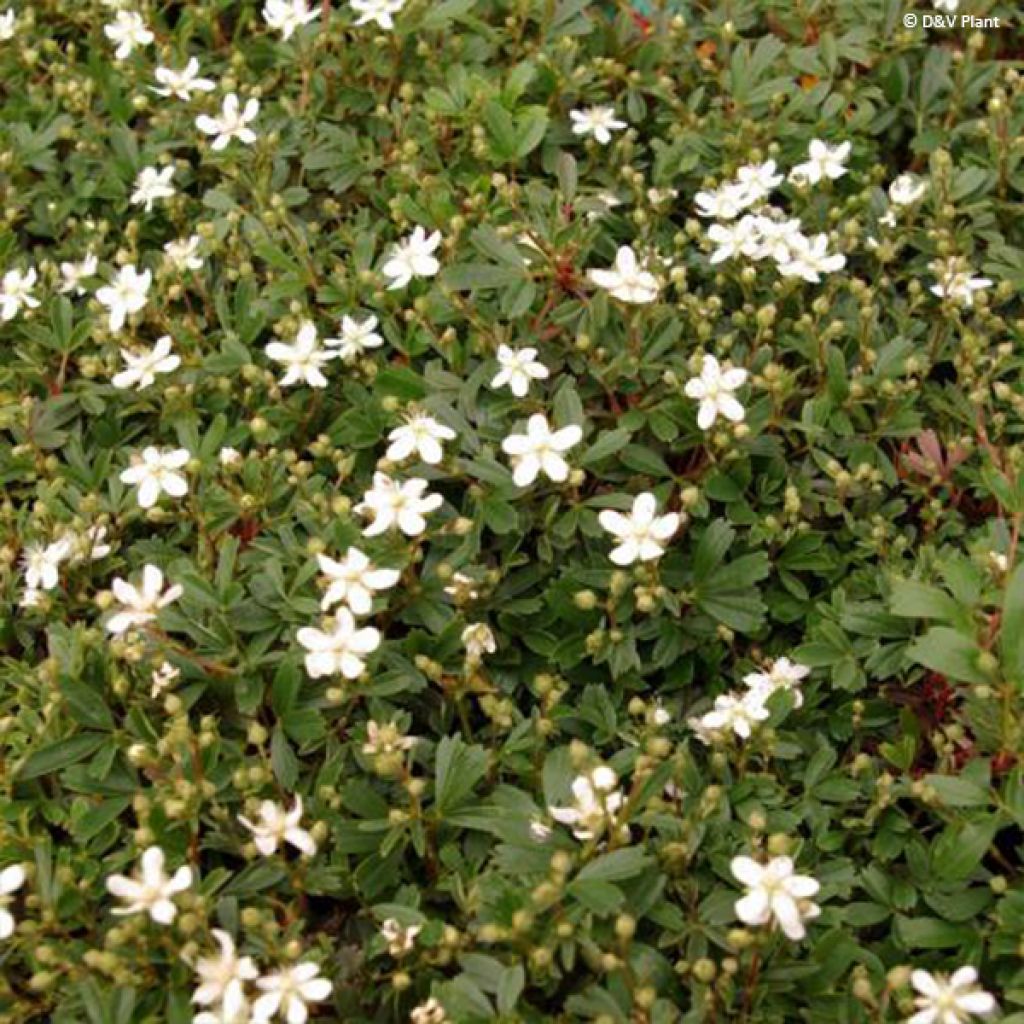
(906, 190)
(378, 11)
(518, 368)
(540, 449)
(152, 184)
(823, 161)
(341, 649)
(627, 281)
(958, 284)
(287, 992)
(231, 123)
(126, 295)
(140, 605)
(276, 827)
(397, 504)
(16, 292)
(421, 435)
(412, 257)
(386, 739)
(598, 122)
(42, 563)
(596, 801)
(12, 878)
(303, 358)
(183, 253)
(222, 978)
(153, 892)
(714, 390)
(809, 258)
(356, 337)
(156, 473)
(74, 274)
(143, 366)
(400, 938)
(181, 84)
(285, 16)
(775, 891)
(353, 580)
(952, 1000)
(783, 675)
(731, 713)
(642, 533)
(128, 30)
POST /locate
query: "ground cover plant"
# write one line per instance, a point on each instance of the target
(511, 511)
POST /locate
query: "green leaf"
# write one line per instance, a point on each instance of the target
(60, 755)
(1011, 631)
(949, 653)
(458, 769)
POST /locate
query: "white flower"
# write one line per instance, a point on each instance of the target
(599, 122)
(726, 202)
(183, 83)
(378, 11)
(824, 161)
(140, 606)
(906, 190)
(145, 365)
(222, 978)
(518, 368)
(287, 992)
(156, 472)
(303, 358)
(356, 337)
(413, 257)
(430, 1012)
(12, 878)
(626, 280)
(285, 16)
(128, 30)
(955, 283)
(16, 292)
(75, 273)
(758, 179)
(342, 649)
(163, 675)
(183, 253)
(42, 564)
(151, 185)
(731, 713)
(399, 938)
(478, 640)
(596, 802)
(642, 533)
(7, 27)
(153, 892)
(809, 258)
(397, 504)
(386, 739)
(714, 390)
(540, 448)
(353, 580)
(227, 1013)
(232, 122)
(462, 588)
(952, 1000)
(276, 826)
(125, 295)
(783, 675)
(774, 891)
(950, 7)
(421, 435)
(91, 545)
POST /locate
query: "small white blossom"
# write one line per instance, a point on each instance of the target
(75, 273)
(143, 366)
(959, 285)
(783, 675)
(598, 122)
(287, 993)
(183, 253)
(232, 123)
(285, 16)
(626, 280)
(222, 978)
(126, 295)
(378, 11)
(462, 588)
(642, 533)
(12, 878)
(153, 892)
(302, 359)
(140, 605)
(128, 31)
(16, 292)
(952, 1000)
(906, 190)
(8, 24)
(726, 202)
(397, 504)
(714, 390)
(540, 450)
(152, 184)
(412, 257)
(42, 563)
(478, 640)
(156, 473)
(823, 161)
(276, 827)
(518, 368)
(430, 1012)
(775, 891)
(181, 84)
(421, 435)
(758, 179)
(163, 676)
(400, 938)
(809, 258)
(353, 581)
(341, 649)
(596, 802)
(386, 739)
(356, 337)
(731, 713)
